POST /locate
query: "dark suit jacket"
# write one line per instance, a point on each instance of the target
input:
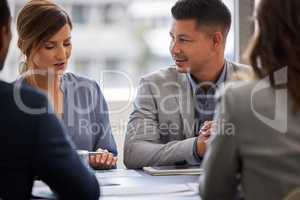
(35, 145)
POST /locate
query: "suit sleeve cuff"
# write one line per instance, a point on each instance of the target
(197, 157)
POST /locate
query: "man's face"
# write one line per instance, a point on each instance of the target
(5, 38)
(191, 49)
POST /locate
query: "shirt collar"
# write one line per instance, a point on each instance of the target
(220, 80)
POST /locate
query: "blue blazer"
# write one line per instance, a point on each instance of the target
(85, 114)
(35, 145)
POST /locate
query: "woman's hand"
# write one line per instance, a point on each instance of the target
(102, 160)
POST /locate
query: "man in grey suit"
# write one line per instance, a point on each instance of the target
(174, 106)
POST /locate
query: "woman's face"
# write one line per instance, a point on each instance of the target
(54, 54)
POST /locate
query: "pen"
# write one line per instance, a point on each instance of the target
(95, 152)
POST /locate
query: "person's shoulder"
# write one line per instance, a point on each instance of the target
(79, 81)
(5, 87)
(237, 64)
(21, 90)
(239, 67)
(76, 78)
(238, 71)
(240, 86)
(241, 94)
(167, 73)
(21, 95)
(82, 85)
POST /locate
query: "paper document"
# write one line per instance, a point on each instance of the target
(117, 173)
(41, 190)
(173, 170)
(149, 190)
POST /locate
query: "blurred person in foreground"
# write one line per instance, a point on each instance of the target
(32, 141)
(261, 150)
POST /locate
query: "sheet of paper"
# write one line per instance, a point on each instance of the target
(194, 187)
(117, 173)
(107, 182)
(41, 190)
(173, 170)
(148, 190)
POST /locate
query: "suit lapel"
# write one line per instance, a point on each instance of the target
(186, 105)
(185, 99)
(231, 70)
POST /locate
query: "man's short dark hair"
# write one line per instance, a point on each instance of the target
(206, 13)
(4, 13)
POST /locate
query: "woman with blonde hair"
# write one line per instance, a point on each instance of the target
(44, 31)
(256, 143)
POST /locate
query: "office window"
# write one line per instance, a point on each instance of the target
(82, 66)
(112, 63)
(231, 49)
(80, 13)
(144, 31)
(16, 10)
(112, 13)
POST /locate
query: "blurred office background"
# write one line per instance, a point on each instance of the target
(115, 42)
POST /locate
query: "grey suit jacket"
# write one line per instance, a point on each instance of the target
(160, 130)
(262, 151)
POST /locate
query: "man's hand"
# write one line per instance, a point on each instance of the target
(203, 137)
(103, 160)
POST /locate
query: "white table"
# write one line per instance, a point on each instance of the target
(137, 185)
